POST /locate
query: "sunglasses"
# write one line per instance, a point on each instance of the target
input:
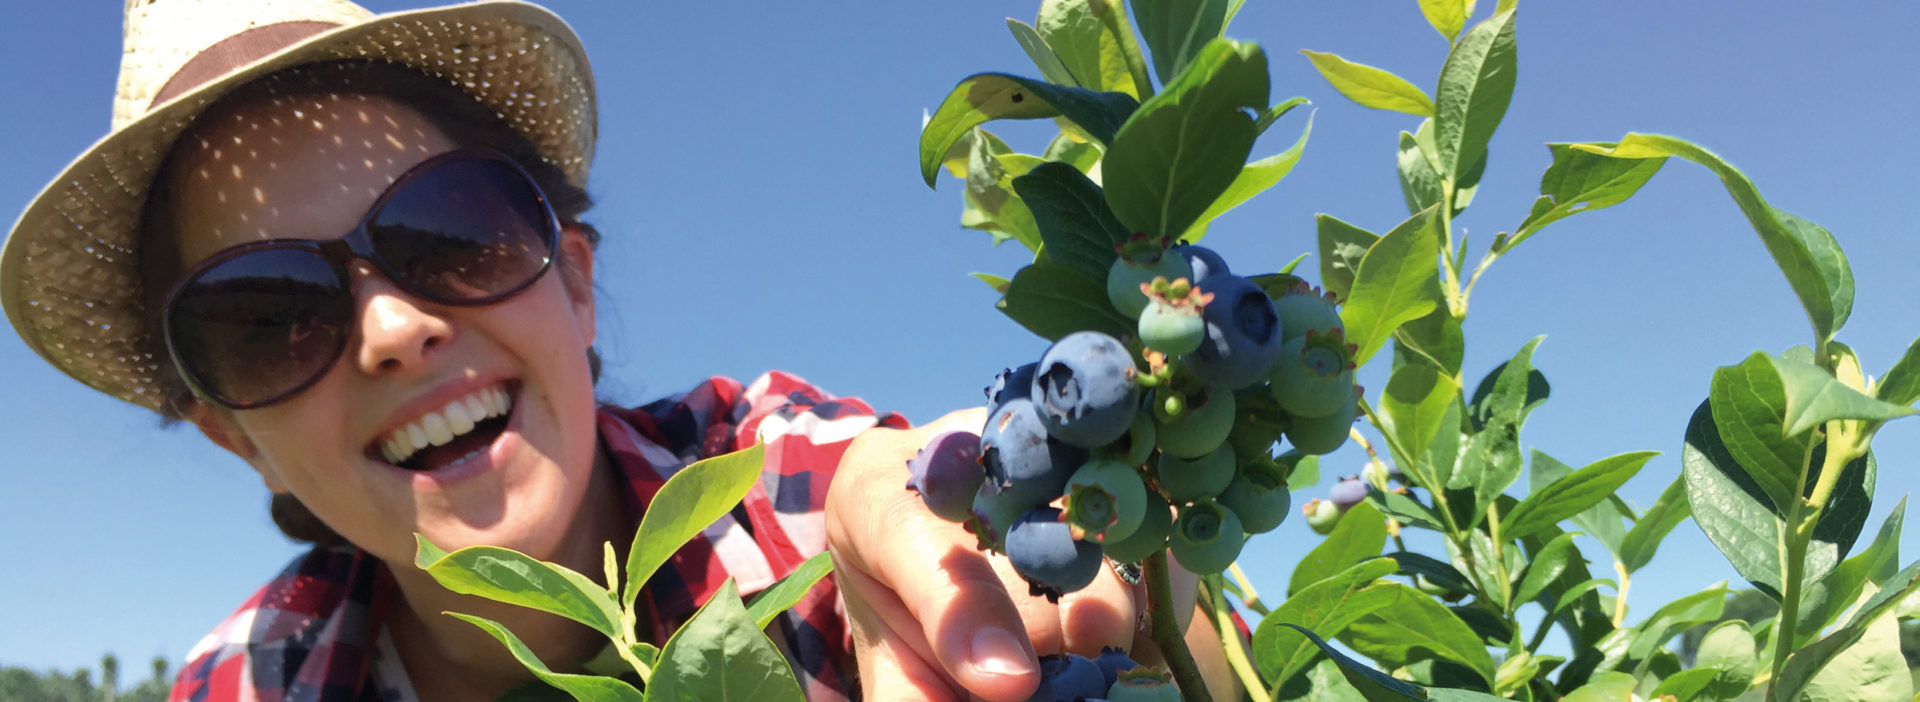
(258, 323)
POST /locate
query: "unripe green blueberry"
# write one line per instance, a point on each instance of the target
(1304, 307)
(1105, 501)
(1155, 523)
(1170, 328)
(1314, 374)
(1257, 421)
(1137, 445)
(1200, 428)
(1321, 435)
(1321, 515)
(1258, 495)
(1142, 685)
(1206, 537)
(994, 510)
(1189, 479)
(1125, 276)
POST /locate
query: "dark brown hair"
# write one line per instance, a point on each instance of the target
(456, 113)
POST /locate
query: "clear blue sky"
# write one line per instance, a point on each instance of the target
(762, 207)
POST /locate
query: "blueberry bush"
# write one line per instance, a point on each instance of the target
(1181, 403)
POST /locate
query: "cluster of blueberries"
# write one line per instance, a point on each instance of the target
(1121, 448)
(1112, 677)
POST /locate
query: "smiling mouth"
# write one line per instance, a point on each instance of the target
(451, 434)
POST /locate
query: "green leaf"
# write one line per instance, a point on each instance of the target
(1814, 397)
(1901, 386)
(1369, 86)
(1859, 662)
(1476, 84)
(990, 203)
(1053, 301)
(1573, 494)
(1675, 617)
(1729, 650)
(587, 688)
(1360, 535)
(1086, 43)
(1809, 256)
(1446, 16)
(990, 96)
(1545, 567)
(1305, 474)
(1582, 181)
(1042, 55)
(720, 655)
(998, 283)
(1434, 339)
(1185, 146)
(1409, 511)
(1342, 246)
(505, 575)
(1273, 114)
(787, 591)
(1372, 684)
(1823, 602)
(1748, 403)
(1609, 686)
(1397, 281)
(1439, 573)
(1637, 549)
(1412, 626)
(1491, 460)
(1571, 596)
(1510, 391)
(1602, 520)
(1440, 459)
(690, 501)
(1254, 179)
(1177, 30)
(1415, 403)
(1325, 606)
(1420, 181)
(1075, 224)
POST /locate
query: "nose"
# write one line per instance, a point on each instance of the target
(398, 331)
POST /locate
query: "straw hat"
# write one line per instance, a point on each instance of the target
(69, 277)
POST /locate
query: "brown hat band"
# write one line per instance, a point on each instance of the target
(235, 51)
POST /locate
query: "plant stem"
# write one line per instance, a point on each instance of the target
(1248, 596)
(1167, 634)
(1450, 278)
(1230, 637)
(1410, 465)
(1500, 560)
(1798, 532)
(1620, 598)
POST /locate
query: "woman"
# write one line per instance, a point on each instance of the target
(346, 247)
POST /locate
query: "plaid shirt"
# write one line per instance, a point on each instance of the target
(314, 632)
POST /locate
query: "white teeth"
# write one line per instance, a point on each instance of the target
(440, 427)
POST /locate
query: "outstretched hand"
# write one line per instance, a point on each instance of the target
(933, 617)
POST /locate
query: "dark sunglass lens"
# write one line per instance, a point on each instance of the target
(465, 230)
(260, 324)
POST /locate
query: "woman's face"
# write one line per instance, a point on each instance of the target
(309, 168)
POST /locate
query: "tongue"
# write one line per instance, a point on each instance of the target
(433, 458)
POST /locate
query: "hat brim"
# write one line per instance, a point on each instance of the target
(70, 282)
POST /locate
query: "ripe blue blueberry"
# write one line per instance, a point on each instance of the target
(1156, 522)
(947, 473)
(1104, 501)
(1258, 495)
(1204, 262)
(1113, 662)
(1243, 334)
(1189, 479)
(1084, 389)
(1347, 493)
(1010, 384)
(1026, 463)
(1206, 538)
(1042, 550)
(1321, 435)
(1068, 678)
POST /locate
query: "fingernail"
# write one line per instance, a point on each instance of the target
(998, 652)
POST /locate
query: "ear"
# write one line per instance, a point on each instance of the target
(218, 426)
(576, 268)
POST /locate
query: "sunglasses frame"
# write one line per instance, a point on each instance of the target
(358, 244)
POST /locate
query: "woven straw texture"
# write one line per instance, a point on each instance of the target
(69, 281)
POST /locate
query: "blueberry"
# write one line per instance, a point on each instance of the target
(1258, 496)
(1200, 427)
(1321, 435)
(1189, 479)
(1010, 384)
(1139, 442)
(1204, 262)
(1206, 538)
(1141, 685)
(1243, 334)
(947, 473)
(1172, 328)
(1304, 308)
(993, 512)
(1125, 277)
(1068, 678)
(1113, 662)
(1321, 515)
(1027, 464)
(1156, 522)
(1347, 493)
(1042, 550)
(1314, 374)
(1084, 389)
(1105, 500)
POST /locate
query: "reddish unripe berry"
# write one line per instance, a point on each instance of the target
(947, 473)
